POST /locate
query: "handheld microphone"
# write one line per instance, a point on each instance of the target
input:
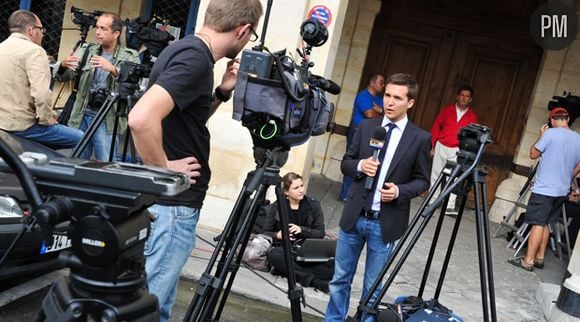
(376, 142)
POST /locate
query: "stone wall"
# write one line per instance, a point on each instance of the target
(347, 71)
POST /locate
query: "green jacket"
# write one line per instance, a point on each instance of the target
(86, 76)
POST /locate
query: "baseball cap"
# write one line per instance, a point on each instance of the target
(558, 111)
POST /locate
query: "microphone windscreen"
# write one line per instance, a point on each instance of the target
(379, 133)
(332, 87)
(378, 139)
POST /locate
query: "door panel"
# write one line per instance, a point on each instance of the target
(425, 53)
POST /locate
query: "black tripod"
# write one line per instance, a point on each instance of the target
(126, 100)
(234, 239)
(463, 176)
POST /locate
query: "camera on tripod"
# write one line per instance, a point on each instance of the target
(280, 102)
(471, 138)
(85, 19)
(132, 72)
(142, 32)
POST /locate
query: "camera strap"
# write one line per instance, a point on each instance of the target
(81, 65)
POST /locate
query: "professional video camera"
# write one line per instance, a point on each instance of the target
(142, 32)
(568, 101)
(132, 73)
(471, 138)
(129, 77)
(85, 19)
(280, 102)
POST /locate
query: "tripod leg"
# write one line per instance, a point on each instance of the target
(435, 238)
(481, 248)
(245, 232)
(489, 257)
(128, 142)
(295, 293)
(450, 247)
(208, 282)
(422, 213)
(433, 247)
(90, 131)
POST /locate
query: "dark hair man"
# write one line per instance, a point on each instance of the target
(98, 76)
(25, 108)
(379, 216)
(169, 129)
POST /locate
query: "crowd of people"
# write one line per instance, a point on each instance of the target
(169, 128)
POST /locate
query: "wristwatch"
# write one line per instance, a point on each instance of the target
(221, 96)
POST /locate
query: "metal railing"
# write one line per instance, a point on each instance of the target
(51, 13)
(6, 9)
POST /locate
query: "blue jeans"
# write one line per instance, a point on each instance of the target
(100, 143)
(346, 180)
(56, 136)
(171, 241)
(348, 250)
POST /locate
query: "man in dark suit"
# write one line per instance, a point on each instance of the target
(379, 216)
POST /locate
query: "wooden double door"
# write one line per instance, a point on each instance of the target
(500, 64)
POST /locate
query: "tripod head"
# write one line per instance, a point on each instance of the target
(105, 205)
(276, 157)
(129, 77)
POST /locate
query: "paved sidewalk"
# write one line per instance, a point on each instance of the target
(515, 289)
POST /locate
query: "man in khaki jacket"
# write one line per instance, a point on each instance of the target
(25, 108)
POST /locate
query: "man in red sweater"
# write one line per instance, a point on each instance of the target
(444, 142)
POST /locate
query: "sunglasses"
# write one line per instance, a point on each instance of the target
(560, 117)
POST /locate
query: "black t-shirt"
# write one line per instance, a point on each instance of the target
(185, 70)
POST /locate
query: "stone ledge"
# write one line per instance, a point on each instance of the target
(546, 296)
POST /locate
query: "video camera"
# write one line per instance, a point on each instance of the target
(471, 138)
(141, 31)
(280, 102)
(568, 101)
(85, 19)
(132, 72)
(129, 76)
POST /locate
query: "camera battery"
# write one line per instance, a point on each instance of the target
(256, 63)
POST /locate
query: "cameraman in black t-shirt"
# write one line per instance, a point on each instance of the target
(168, 125)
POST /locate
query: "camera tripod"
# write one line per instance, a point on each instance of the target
(462, 176)
(234, 239)
(106, 207)
(126, 100)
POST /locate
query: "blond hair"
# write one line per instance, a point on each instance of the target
(225, 15)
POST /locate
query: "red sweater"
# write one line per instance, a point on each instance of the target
(445, 128)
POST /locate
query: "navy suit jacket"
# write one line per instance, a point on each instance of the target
(410, 170)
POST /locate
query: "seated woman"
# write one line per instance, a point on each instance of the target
(305, 221)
